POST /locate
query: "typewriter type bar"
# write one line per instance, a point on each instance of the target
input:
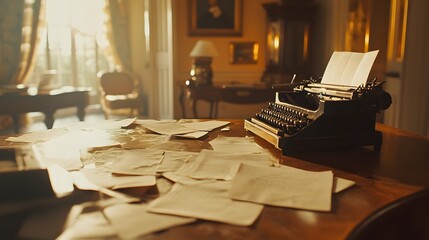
(333, 87)
(330, 92)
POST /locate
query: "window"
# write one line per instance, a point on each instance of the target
(69, 51)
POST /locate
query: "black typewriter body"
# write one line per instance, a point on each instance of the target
(313, 115)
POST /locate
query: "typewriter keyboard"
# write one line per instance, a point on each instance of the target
(284, 118)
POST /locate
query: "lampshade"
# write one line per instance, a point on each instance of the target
(204, 48)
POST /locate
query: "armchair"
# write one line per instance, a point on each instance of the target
(119, 91)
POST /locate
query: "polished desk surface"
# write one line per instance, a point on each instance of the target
(43, 100)
(399, 169)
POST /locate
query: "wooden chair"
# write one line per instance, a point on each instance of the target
(406, 218)
(119, 91)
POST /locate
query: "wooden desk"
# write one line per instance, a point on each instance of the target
(236, 94)
(399, 169)
(47, 102)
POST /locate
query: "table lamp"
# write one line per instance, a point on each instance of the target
(201, 71)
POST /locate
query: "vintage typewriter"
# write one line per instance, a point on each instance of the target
(311, 114)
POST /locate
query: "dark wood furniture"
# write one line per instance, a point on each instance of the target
(405, 218)
(45, 101)
(398, 170)
(236, 94)
(290, 40)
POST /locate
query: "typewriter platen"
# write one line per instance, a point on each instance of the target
(309, 115)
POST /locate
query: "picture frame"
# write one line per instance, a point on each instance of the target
(223, 19)
(243, 52)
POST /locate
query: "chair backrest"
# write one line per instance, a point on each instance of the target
(406, 218)
(116, 83)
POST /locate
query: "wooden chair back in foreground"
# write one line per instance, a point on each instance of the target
(119, 92)
(405, 218)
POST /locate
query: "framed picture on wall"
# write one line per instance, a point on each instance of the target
(243, 52)
(215, 17)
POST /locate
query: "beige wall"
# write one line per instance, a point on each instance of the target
(140, 65)
(414, 108)
(253, 31)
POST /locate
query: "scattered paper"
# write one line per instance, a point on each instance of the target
(167, 128)
(192, 135)
(283, 187)
(152, 121)
(106, 179)
(206, 125)
(65, 150)
(189, 130)
(225, 129)
(341, 184)
(173, 146)
(131, 221)
(91, 225)
(102, 125)
(349, 68)
(39, 136)
(144, 140)
(207, 201)
(130, 161)
(81, 182)
(61, 181)
(184, 180)
(222, 166)
(174, 160)
(236, 145)
(124, 161)
(138, 161)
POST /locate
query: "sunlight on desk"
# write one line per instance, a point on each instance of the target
(174, 181)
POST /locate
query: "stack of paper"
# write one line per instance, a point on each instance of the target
(236, 145)
(186, 130)
(349, 68)
(222, 166)
(132, 221)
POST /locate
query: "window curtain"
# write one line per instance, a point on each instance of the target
(117, 41)
(20, 21)
(11, 15)
(19, 27)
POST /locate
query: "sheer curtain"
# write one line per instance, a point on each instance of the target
(116, 40)
(18, 42)
(32, 21)
(20, 23)
(81, 38)
(66, 37)
(72, 35)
